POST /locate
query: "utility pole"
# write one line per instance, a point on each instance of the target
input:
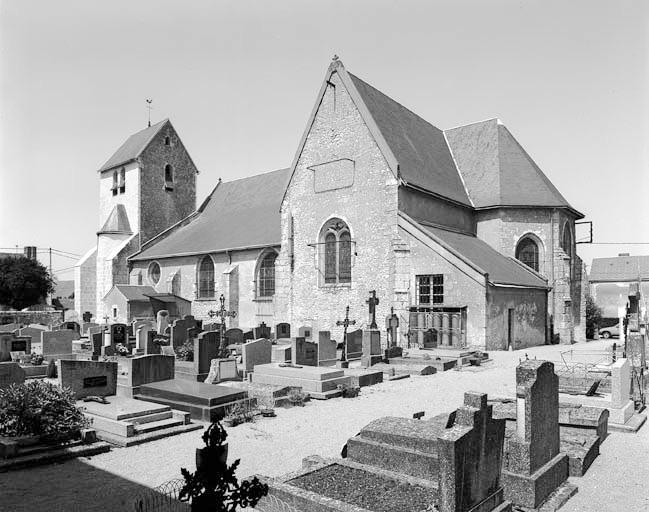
(51, 273)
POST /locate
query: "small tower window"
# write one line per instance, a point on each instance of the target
(167, 141)
(115, 186)
(169, 177)
(122, 181)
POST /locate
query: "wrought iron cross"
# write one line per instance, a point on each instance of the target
(345, 323)
(222, 313)
(373, 301)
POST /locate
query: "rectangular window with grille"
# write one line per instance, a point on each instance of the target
(430, 289)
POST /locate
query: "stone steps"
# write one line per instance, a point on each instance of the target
(145, 437)
(152, 426)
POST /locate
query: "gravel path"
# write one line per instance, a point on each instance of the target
(617, 481)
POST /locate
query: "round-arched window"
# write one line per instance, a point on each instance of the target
(527, 251)
(206, 278)
(266, 275)
(154, 272)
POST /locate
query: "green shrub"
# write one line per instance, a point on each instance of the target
(38, 408)
(36, 359)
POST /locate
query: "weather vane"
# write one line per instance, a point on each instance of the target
(149, 107)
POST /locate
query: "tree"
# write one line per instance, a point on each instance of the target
(23, 282)
(593, 317)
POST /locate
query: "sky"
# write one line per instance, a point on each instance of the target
(239, 79)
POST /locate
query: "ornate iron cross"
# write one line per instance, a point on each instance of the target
(373, 301)
(345, 323)
(222, 313)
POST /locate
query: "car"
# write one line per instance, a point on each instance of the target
(607, 332)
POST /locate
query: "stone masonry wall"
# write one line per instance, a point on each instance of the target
(369, 207)
(85, 283)
(161, 208)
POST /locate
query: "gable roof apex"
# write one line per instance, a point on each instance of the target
(134, 146)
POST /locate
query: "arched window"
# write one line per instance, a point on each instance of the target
(337, 241)
(167, 141)
(169, 176)
(566, 239)
(206, 278)
(266, 275)
(154, 273)
(527, 251)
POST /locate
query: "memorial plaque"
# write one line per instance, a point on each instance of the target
(19, 345)
(95, 382)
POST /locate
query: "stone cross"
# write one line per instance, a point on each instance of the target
(345, 323)
(373, 301)
(222, 313)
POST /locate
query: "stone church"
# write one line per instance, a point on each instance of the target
(458, 231)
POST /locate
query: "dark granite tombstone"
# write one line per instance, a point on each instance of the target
(233, 336)
(118, 334)
(206, 348)
(11, 373)
(179, 328)
(304, 352)
(193, 332)
(533, 467)
(355, 344)
(154, 341)
(97, 344)
(430, 338)
(262, 331)
(283, 330)
(391, 326)
(9, 342)
(72, 326)
(248, 335)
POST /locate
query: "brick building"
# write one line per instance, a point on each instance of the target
(458, 231)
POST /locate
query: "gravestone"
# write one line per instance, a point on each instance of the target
(391, 326)
(281, 354)
(222, 369)
(118, 334)
(248, 335)
(167, 350)
(57, 344)
(212, 326)
(97, 344)
(355, 344)
(430, 338)
(262, 331)
(96, 328)
(141, 370)
(162, 321)
(9, 342)
(327, 355)
(304, 332)
(154, 341)
(282, 330)
(233, 336)
(255, 352)
(206, 348)
(304, 353)
(33, 332)
(71, 326)
(87, 325)
(88, 378)
(179, 328)
(533, 467)
(136, 324)
(371, 348)
(193, 332)
(141, 336)
(11, 373)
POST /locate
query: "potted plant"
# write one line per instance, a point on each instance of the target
(296, 396)
(36, 359)
(234, 416)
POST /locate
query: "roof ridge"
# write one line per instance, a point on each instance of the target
(395, 101)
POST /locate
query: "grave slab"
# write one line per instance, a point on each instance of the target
(362, 377)
(319, 382)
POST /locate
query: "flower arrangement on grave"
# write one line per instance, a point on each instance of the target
(121, 349)
(238, 413)
(185, 352)
(296, 396)
(40, 409)
(349, 391)
(214, 486)
(36, 359)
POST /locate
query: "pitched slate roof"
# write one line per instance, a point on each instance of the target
(496, 169)
(134, 292)
(237, 214)
(134, 146)
(620, 268)
(420, 148)
(500, 269)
